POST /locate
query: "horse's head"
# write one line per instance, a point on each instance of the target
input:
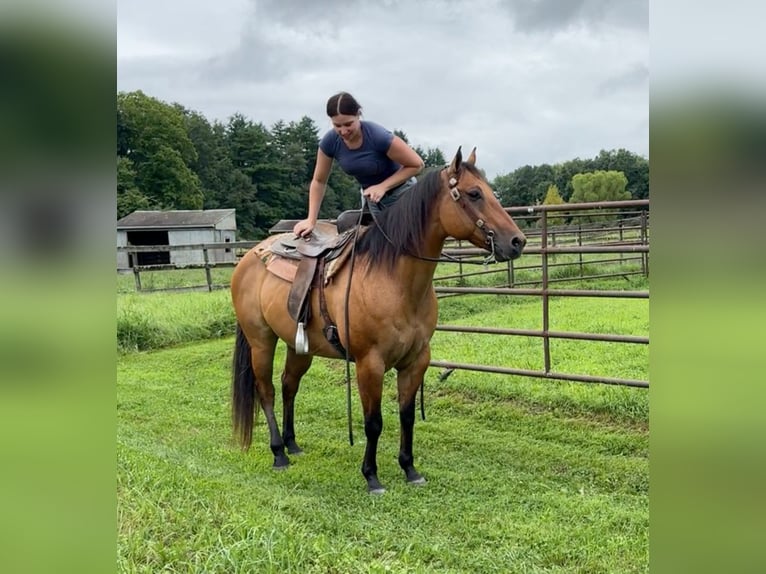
(472, 211)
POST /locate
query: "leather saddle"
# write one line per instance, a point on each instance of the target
(307, 263)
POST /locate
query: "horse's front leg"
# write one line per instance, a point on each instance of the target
(369, 376)
(408, 381)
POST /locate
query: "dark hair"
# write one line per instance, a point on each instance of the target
(342, 103)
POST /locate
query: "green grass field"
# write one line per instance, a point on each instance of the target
(524, 475)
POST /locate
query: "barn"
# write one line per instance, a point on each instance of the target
(183, 227)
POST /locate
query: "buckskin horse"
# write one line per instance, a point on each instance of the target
(385, 312)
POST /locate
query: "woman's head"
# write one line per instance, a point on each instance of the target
(344, 112)
(343, 104)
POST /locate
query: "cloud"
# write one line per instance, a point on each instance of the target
(554, 15)
(636, 76)
(525, 82)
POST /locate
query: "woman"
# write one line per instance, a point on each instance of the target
(383, 164)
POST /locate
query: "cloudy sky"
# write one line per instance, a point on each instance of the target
(526, 81)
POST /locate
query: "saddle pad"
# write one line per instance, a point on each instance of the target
(286, 267)
(263, 249)
(335, 265)
(282, 267)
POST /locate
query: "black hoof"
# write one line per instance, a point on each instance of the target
(414, 477)
(293, 448)
(281, 462)
(374, 486)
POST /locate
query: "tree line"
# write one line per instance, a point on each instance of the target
(170, 157)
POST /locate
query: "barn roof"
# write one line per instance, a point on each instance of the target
(192, 218)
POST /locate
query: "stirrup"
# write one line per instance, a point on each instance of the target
(301, 340)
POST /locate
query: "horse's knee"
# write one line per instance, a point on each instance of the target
(407, 413)
(373, 424)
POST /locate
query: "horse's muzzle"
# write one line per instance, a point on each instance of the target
(507, 249)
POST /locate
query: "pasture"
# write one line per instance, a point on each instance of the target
(524, 475)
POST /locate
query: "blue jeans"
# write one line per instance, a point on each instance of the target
(390, 198)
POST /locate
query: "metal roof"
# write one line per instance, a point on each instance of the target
(192, 218)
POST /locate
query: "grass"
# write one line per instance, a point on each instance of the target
(152, 321)
(514, 486)
(525, 475)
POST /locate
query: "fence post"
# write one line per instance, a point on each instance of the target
(544, 250)
(136, 272)
(622, 238)
(644, 241)
(208, 275)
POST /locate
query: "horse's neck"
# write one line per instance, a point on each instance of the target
(421, 271)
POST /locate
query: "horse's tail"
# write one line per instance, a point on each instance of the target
(244, 403)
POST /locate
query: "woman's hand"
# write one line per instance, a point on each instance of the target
(375, 193)
(304, 228)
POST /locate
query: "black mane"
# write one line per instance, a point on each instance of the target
(404, 223)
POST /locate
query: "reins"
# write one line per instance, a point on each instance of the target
(457, 197)
(348, 330)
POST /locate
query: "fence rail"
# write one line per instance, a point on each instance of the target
(629, 237)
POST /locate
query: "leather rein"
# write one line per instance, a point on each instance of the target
(459, 198)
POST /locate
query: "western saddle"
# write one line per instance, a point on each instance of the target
(318, 258)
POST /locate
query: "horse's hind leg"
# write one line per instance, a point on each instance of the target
(409, 380)
(263, 368)
(295, 367)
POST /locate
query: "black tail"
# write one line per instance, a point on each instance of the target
(244, 403)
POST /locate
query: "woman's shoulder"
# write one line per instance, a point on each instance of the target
(380, 136)
(329, 142)
(374, 127)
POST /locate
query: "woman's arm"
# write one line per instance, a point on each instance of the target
(316, 194)
(412, 164)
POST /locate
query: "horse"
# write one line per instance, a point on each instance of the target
(391, 310)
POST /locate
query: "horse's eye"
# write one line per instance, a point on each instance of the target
(473, 194)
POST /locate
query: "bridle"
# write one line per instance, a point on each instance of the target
(459, 198)
(489, 235)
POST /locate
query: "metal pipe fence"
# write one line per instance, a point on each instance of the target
(628, 238)
(546, 250)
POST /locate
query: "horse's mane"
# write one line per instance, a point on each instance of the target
(404, 223)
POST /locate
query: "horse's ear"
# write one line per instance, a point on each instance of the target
(472, 157)
(457, 161)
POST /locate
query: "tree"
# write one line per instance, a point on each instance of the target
(173, 185)
(153, 136)
(253, 152)
(525, 186)
(129, 197)
(552, 197)
(633, 166)
(599, 186)
(432, 157)
(564, 172)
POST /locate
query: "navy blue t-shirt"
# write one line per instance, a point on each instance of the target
(369, 163)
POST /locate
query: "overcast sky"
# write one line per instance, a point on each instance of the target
(526, 81)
